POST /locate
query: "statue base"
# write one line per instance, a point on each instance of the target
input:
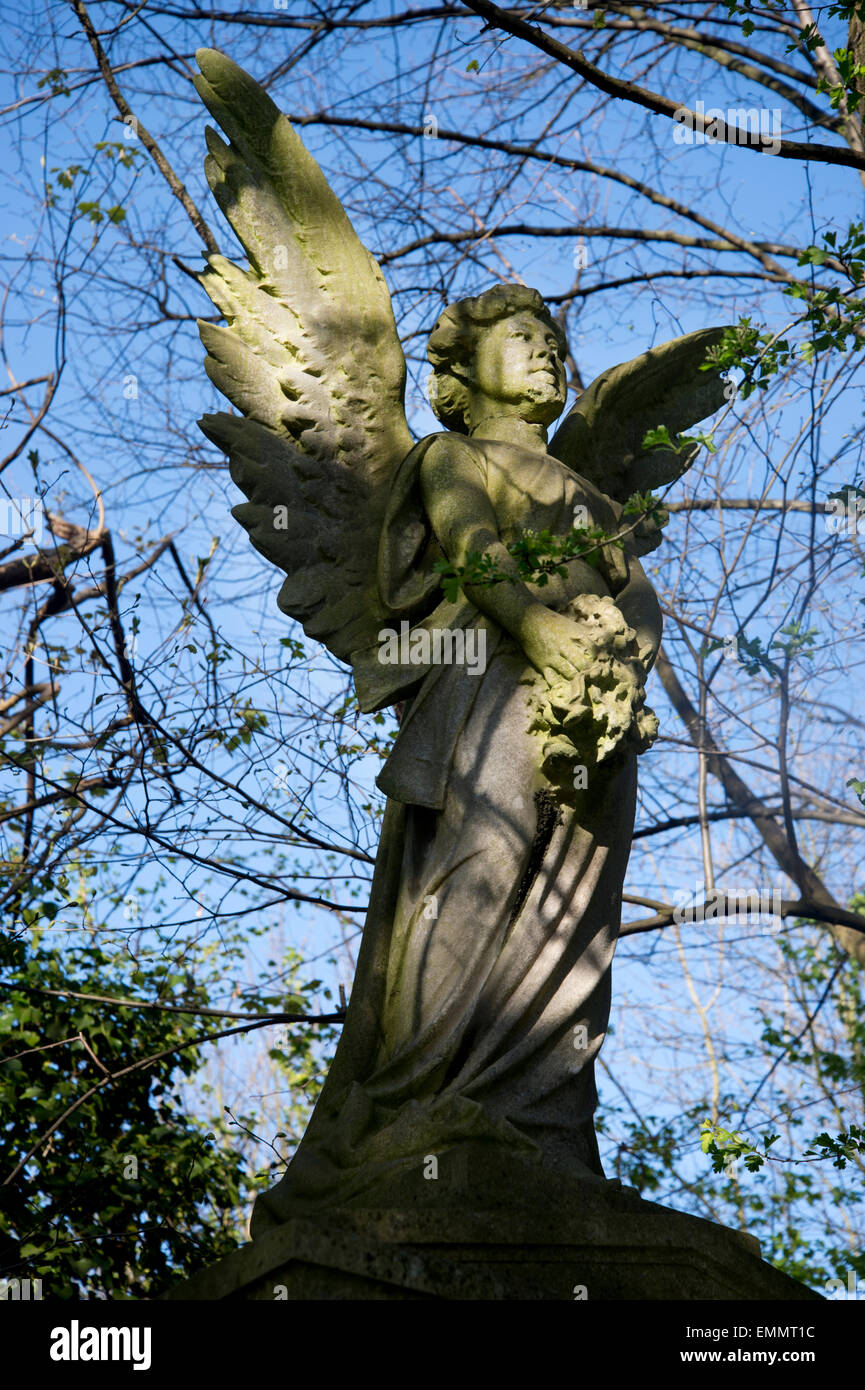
(577, 1238)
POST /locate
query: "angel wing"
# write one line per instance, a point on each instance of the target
(311, 359)
(601, 436)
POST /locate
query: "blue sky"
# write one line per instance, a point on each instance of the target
(157, 475)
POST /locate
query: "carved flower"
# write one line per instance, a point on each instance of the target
(600, 712)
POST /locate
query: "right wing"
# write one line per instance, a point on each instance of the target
(311, 359)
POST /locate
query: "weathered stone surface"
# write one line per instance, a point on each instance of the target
(595, 1240)
(483, 984)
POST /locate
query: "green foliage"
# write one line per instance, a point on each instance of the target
(90, 209)
(660, 439)
(750, 653)
(121, 151)
(756, 658)
(479, 569)
(809, 39)
(93, 212)
(129, 1193)
(849, 494)
(250, 722)
(780, 1181)
(296, 649)
(758, 353)
(648, 507)
(833, 318)
(800, 641)
(846, 90)
(538, 554)
(834, 315)
(56, 80)
(841, 1148)
(724, 1148)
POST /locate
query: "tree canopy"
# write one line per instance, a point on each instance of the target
(187, 805)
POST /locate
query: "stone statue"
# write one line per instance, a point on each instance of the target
(483, 983)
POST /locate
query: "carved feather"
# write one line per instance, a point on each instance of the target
(309, 356)
(601, 438)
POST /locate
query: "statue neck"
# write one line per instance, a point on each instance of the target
(510, 429)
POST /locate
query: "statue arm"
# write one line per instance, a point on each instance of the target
(635, 598)
(638, 604)
(464, 520)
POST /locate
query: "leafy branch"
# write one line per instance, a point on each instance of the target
(646, 507)
(660, 439)
(834, 317)
(847, 92)
(538, 555)
(757, 353)
(751, 654)
(725, 1147)
(858, 787)
(116, 150)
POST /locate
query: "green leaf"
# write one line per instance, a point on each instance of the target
(858, 787)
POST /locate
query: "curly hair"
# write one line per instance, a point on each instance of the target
(454, 337)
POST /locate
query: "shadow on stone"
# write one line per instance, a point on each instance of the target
(486, 1234)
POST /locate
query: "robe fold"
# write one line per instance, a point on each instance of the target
(482, 991)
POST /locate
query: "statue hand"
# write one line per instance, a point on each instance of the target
(560, 646)
(553, 644)
(594, 704)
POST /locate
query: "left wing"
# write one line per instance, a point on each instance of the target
(601, 436)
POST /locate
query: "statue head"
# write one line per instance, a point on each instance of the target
(500, 353)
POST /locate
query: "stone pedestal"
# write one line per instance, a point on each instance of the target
(569, 1239)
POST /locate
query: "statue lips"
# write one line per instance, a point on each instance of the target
(550, 373)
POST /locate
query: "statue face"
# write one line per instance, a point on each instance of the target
(516, 363)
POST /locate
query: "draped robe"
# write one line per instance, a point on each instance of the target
(482, 990)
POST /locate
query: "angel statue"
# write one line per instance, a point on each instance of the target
(482, 990)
